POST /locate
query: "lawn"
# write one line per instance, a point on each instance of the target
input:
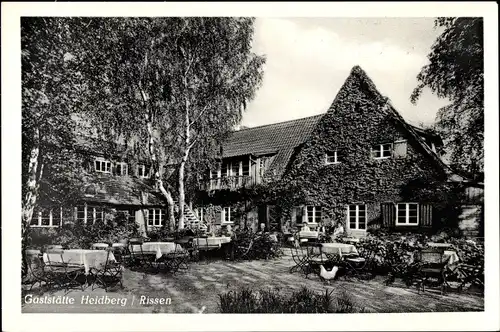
(197, 290)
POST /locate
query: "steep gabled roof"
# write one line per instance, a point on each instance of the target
(283, 138)
(412, 131)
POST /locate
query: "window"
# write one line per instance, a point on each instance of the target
(245, 168)
(81, 214)
(332, 158)
(382, 151)
(89, 214)
(155, 217)
(235, 168)
(263, 162)
(313, 214)
(102, 165)
(142, 171)
(46, 217)
(226, 215)
(356, 214)
(121, 168)
(407, 214)
(224, 169)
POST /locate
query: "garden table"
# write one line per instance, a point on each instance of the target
(210, 243)
(439, 245)
(308, 234)
(156, 248)
(338, 248)
(86, 257)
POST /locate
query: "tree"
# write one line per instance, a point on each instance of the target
(50, 92)
(455, 71)
(179, 84)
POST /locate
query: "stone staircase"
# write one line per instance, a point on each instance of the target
(190, 218)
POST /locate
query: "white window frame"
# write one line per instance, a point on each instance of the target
(381, 151)
(407, 216)
(90, 213)
(143, 168)
(314, 221)
(123, 166)
(156, 217)
(348, 221)
(335, 158)
(225, 219)
(102, 162)
(39, 218)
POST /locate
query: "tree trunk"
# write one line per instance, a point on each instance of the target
(156, 167)
(35, 171)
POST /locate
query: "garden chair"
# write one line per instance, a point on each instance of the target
(470, 274)
(301, 258)
(108, 275)
(121, 251)
(137, 258)
(315, 258)
(243, 249)
(356, 266)
(174, 261)
(36, 269)
(64, 274)
(432, 265)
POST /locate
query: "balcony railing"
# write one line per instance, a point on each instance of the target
(230, 182)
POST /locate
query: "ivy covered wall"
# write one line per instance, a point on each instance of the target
(356, 120)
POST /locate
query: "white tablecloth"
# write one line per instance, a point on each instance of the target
(88, 258)
(452, 257)
(309, 234)
(439, 245)
(211, 242)
(338, 248)
(157, 248)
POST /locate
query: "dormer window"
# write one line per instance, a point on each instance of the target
(332, 157)
(102, 166)
(382, 151)
(142, 171)
(121, 168)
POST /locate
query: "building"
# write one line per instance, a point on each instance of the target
(360, 164)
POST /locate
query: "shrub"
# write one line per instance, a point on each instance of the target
(263, 246)
(387, 250)
(274, 301)
(80, 235)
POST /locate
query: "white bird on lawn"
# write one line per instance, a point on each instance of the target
(327, 275)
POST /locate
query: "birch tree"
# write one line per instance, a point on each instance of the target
(179, 83)
(50, 93)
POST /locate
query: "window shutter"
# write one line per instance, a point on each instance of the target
(400, 149)
(298, 214)
(425, 215)
(388, 211)
(219, 216)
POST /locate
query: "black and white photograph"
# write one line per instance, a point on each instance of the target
(252, 164)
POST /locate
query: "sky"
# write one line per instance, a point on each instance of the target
(308, 59)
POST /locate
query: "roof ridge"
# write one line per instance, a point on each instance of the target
(276, 123)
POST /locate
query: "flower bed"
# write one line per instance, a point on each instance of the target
(275, 301)
(263, 246)
(390, 252)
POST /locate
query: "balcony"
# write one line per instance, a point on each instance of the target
(230, 182)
